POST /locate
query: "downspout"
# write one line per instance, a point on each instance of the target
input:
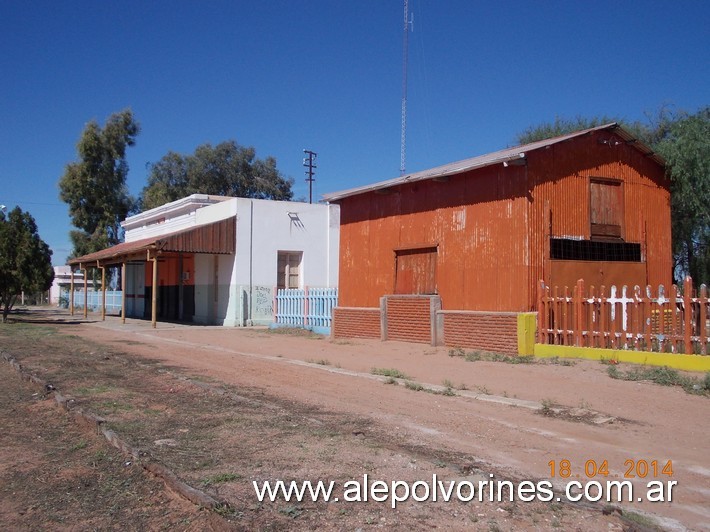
(327, 245)
(251, 262)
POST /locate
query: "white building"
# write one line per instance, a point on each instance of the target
(62, 283)
(219, 259)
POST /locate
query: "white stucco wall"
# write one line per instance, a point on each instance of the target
(266, 227)
(224, 294)
(214, 291)
(246, 280)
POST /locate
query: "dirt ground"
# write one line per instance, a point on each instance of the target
(224, 407)
(56, 477)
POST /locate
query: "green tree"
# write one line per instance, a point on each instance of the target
(95, 186)
(561, 126)
(651, 132)
(686, 149)
(684, 142)
(226, 169)
(25, 259)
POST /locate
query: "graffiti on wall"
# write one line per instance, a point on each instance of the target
(263, 302)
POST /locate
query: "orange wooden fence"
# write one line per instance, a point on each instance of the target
(625, 318)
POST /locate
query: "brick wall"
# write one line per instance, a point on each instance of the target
(488, 331)
(409, 319)
(350, 322)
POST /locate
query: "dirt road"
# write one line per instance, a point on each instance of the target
(493, 418)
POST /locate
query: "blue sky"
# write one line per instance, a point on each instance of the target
(325, 75)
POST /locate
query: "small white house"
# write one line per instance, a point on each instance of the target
(59, 291)
(218, 260)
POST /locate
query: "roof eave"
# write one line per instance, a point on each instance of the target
(498, 157)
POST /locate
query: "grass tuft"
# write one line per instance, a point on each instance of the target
(389, 372)
(663, 376)
(320, 361)
(415, 386)
(475, 356)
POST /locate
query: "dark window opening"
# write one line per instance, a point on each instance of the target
(568, 249)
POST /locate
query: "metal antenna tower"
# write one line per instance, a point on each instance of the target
(309, 163)
(405, 55)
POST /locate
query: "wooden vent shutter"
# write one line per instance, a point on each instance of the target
(607, 209)
(415, 271)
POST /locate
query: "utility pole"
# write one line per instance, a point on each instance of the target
(309, 163)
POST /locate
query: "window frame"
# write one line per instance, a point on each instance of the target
(607, 235)
(429, 249)
(283, 278)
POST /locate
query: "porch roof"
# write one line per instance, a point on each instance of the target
(214, 238)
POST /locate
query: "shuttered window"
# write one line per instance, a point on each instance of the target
(415, 271)
(289, 269)
(607, 209)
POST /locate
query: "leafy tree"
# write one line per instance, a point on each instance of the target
(651, 132)
(686, 149)
(95, 187)
(684, 141)
(226, 169)
(25, 259)
(561, 126)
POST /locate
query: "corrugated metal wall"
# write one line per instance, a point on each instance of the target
(477, 223)
(489, 225)
(560, 179)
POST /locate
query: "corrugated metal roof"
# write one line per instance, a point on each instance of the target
(498, 157)
(217, 238)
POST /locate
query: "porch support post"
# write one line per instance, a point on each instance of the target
(71, 291)
(123, 292)
(103, 290)
(154, 298)
(86, 292)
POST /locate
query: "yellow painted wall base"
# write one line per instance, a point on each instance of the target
(527, 326)
(676, 361)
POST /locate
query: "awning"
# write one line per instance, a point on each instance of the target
(218, 238)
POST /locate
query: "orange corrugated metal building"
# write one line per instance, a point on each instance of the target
(481, 233)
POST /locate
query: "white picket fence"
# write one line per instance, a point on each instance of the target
(310, 308)
(94, 300)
